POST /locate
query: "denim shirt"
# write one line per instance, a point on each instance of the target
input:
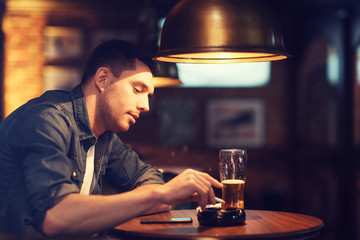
(43, 147)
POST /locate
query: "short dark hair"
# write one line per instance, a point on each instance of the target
(118, 55)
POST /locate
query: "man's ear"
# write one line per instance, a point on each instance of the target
(102, 76)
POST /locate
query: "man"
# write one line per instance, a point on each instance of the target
(55, 150)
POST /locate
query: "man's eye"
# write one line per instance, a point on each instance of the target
(137, 90)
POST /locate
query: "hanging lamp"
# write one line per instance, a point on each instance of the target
(220, 31)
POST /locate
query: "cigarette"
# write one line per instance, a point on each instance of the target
(219, 200)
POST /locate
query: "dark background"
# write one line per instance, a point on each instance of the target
(308, 162)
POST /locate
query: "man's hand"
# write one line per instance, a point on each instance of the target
(190, 185)
(79, 214)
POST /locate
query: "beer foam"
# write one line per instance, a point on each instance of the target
(233, 181)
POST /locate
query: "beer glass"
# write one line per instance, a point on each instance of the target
(233, 167)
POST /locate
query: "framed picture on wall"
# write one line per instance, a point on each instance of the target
(61, 78)
(235, 123)
(176, 121)
(62, 42)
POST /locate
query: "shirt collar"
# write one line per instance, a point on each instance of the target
(81, 114)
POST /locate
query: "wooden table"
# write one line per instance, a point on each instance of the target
(258, 225)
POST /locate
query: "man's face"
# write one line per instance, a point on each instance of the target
(124, 98)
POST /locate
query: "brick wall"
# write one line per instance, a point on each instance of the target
(23, 58)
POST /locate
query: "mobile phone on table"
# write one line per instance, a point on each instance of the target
(166, 220)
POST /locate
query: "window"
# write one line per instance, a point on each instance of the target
(224, 75)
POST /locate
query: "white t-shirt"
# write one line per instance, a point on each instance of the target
(89, 172)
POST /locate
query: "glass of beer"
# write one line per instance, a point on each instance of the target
(233, 167)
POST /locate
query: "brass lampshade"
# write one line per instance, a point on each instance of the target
(220, 31)
(165, 75)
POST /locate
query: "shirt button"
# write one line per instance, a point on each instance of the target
(74, 174)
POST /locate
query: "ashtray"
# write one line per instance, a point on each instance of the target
(217, 217)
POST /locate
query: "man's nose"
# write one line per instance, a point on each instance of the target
(144, 104)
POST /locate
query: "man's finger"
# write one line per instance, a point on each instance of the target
(212, 180)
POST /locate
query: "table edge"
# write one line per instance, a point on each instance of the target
(311, 232)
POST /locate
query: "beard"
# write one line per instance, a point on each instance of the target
(109, 120)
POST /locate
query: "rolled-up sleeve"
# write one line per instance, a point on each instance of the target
(126, 170)
(42, 152)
